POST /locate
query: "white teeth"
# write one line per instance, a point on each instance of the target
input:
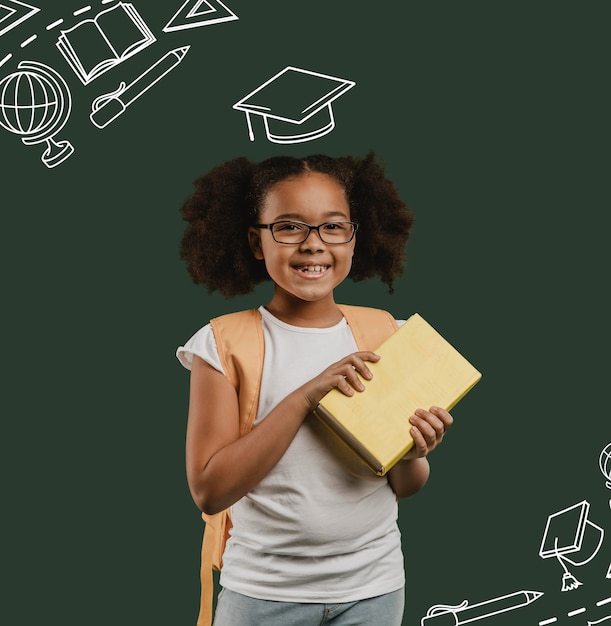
(313, 269)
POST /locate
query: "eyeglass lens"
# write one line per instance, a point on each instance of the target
(297, 232)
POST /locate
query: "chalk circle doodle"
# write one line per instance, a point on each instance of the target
(35, 103)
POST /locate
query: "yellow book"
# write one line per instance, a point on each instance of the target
(418, 369)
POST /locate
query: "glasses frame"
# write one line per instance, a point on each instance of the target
(310, 228)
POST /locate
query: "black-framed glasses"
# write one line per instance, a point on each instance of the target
(293, 232)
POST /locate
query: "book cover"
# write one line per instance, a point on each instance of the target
(418, 369)
(96, 45)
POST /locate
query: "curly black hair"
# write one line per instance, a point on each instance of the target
(227, 200)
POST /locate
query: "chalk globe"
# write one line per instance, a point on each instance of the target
(35, 103)
(29, 103)
(604, 462)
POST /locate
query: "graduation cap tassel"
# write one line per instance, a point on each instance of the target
(569, 582)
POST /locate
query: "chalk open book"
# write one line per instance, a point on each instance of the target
(418, 369)
(96, 45)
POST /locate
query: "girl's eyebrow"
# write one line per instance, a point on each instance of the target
(299, 217)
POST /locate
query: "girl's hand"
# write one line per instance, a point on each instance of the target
(428, 429)
(342, 375)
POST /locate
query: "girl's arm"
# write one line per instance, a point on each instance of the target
(410, 474)
(222, 466)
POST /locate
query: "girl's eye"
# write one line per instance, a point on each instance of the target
(335, 226)
(290, 226)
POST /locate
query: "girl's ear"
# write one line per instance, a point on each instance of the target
(254, 240)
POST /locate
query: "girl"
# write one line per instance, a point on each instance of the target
(314, 540)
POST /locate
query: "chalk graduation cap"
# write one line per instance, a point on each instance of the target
(295, 104)
(571, 538)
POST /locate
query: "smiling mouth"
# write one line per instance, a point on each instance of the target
(312, 270)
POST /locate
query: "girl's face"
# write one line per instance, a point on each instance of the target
(308, 271)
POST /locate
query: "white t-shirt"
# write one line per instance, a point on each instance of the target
(319, 527)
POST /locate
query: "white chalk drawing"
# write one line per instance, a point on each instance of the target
(465, 613)
(290, 98)
(571, 538)
(553, 619)
(108, 107)
(195, 13)
(600, 621)
(35, 103)
(54, 24)
(13, 13)
(82, 10)
(604, 462)
(579, 611)
(28, 41)
(96, 45)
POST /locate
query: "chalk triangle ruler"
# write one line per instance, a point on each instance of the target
(12, 13)
(199, 13)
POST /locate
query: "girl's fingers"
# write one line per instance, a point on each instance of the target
(431, 426)
(419, 442)
(358, 359)
(344, 387)
(349, 380)
(428, 429)
(443, 415)
(346, 374)
(429, 434)
(367, 355)
(353, 368)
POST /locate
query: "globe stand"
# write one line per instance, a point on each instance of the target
(56, 152)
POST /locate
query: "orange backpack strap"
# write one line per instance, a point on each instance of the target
(239, 342)
(370, 327)
(240, 346)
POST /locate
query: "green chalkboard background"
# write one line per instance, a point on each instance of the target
(492, 117)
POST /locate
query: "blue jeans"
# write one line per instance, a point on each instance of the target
(234, 609)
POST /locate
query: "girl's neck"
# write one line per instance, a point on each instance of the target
(318, 314)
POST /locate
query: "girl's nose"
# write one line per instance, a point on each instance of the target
(313, 241)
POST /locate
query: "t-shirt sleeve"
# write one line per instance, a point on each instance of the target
(202, 344)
